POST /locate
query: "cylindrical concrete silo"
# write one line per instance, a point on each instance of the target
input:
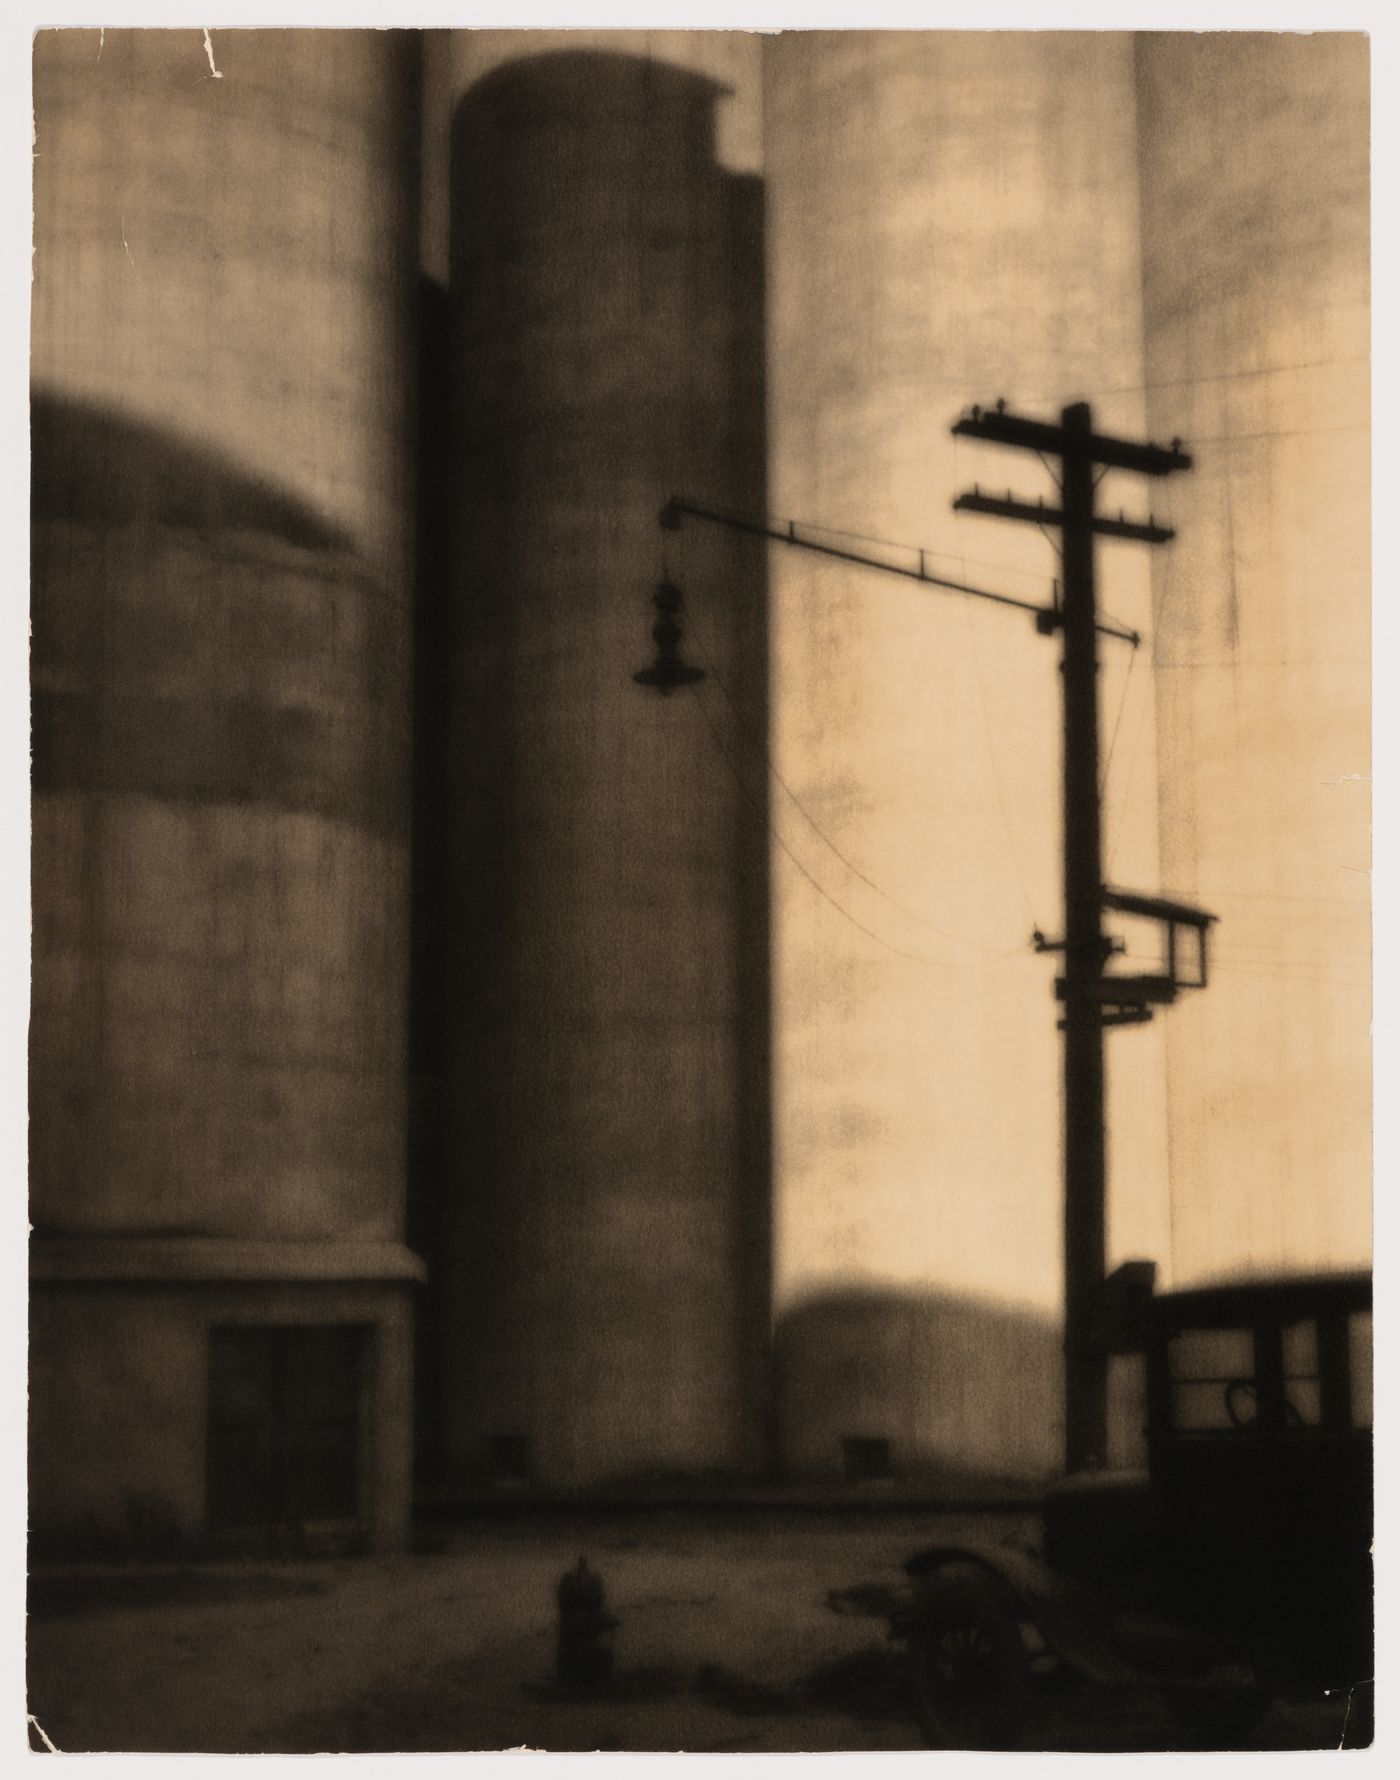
(222, 357)
(953, 219)
(607, 1225)
(1254, 150)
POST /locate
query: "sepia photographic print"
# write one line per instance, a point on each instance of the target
(699, 1055)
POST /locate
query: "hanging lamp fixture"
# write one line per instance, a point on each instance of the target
(667, 671)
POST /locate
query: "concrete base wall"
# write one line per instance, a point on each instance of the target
(910, 1370)
(119, 1391)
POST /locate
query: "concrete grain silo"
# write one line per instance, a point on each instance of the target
(223, 388)
(952, 219)
(606, 1241)
(767, 275)
(1256, 209)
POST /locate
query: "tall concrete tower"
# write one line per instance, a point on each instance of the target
(607, 1235)
(222, 481)
(953, 218)
(1255, 204)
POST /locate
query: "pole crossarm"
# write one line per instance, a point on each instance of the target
(1039, 514)
(999, 428)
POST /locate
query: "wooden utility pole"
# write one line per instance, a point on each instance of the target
(1093, 998)
(1088, 1003)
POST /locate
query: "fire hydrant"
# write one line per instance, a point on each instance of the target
(585, 1647)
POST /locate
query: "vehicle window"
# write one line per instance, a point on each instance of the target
(1302, 1385)
(1359, 1330)
(1212, 1374)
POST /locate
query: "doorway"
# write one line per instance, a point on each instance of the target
(286, 1429)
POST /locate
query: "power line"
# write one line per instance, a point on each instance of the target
(1115, 626)
(1197, 664)
(1333, 965)
(1324, 958)
(811, 821)
(1308, 364)
(826, 896)
(1260, 940)
(1304, 974)
(1322, 979)
(1357, 907)
(1119, 824)
(1117, 722)
(1159, 606)
(1197, 378)
(1007, 828)
(1286, 432)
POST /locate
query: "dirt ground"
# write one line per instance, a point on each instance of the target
(736, 1633)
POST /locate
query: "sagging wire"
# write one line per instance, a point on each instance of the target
(707, 655)
(826, 896)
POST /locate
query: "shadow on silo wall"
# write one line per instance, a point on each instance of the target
(181, 604)
(220, 786)
(949, 1389)
(605, 1276)
(95, 465)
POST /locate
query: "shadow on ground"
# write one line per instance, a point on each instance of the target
(762, 1634)
(56, 1594)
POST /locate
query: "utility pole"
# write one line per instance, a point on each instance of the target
(1093, 997)
(1087, 1005)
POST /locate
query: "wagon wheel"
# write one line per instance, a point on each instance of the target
(968, 1670)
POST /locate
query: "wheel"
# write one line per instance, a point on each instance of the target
(968, 1670)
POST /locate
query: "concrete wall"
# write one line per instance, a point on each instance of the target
(953, 218)
(608, 1211)
(222, 355)
(1254, 158)
(119, 1394)
(223, 400)
(1172, 227)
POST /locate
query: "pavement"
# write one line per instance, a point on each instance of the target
(756, 1632)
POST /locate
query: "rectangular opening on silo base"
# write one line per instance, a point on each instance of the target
(286, 1428)
(866, 1459)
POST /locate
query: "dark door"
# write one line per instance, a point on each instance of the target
(285, 1411)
